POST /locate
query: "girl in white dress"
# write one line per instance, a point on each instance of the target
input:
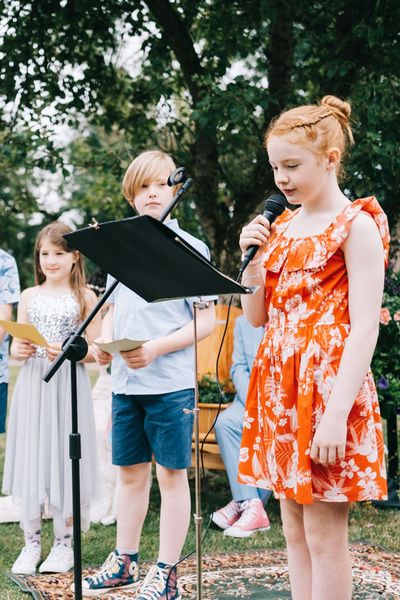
(37, 468)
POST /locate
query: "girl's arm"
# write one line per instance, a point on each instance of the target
(106, 335)
(256, 233)
(22, 349)
(94, 328)
(363, 251)
(183, 337)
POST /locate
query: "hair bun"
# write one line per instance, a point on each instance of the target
(340, 108)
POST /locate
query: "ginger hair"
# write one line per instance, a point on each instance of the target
(146, 168)
(320, 127)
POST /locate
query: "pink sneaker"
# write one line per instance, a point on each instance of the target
(253, 519)
(228, 515)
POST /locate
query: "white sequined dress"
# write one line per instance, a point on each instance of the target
(37, 469)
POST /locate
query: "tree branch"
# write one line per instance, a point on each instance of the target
(178, 39)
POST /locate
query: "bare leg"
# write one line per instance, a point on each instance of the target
(133, 503)
(299, 559)
(175, 512)
(325, 525)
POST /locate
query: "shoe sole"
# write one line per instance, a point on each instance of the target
(44, 571)
(244, 534)
(32, 572)
(93, 593)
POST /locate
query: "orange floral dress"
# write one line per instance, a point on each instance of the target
(295, 368)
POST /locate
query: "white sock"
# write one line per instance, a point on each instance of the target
(32, 531)
(62, 531)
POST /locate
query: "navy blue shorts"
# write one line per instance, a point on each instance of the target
(3, 406)
(143, 426)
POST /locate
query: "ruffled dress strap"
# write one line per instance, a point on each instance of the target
(314, 251)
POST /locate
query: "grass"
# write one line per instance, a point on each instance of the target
(366, 523)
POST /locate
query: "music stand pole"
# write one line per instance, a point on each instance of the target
(198, 519)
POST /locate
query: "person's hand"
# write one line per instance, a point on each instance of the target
(256, 233)
(53, 350)
(22, 349)
(329, 443)
(102, 358)
(141, 357)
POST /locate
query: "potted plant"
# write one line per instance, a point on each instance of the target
(210, 397)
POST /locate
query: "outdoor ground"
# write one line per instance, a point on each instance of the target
(368, 524)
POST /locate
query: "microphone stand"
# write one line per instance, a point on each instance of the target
(75, 348)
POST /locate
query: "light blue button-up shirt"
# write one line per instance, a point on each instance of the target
(137, 319)
(9, 294)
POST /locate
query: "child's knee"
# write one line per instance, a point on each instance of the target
(171, 477)
(293, 530)
(135, 475)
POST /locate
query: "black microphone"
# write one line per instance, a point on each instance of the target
(273, 207)
(176, 177)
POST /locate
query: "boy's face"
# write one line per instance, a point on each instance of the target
(153, 197)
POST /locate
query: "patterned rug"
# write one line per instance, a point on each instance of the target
(249, 575)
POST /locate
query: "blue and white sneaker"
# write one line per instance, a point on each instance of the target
(120, 571)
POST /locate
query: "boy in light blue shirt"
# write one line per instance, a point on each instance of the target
(9, 295)
(153, 390)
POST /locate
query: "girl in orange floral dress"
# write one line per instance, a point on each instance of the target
(312, 430)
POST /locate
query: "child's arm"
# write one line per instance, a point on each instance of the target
(5, 315)
(364, 257)
(94, 328)
(143, 356)
(240, 369)
(106, 335)
(22, 349)
(256, 233)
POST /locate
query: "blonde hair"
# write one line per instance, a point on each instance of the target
(318, 126)
(145, 169)
(54, 233)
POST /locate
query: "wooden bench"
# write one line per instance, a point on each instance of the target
(211, 454)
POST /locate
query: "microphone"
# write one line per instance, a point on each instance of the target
(273, 207)
(177, 176)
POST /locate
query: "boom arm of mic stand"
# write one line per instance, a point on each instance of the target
(175, 199)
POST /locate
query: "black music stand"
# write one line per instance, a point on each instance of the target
(158, 264)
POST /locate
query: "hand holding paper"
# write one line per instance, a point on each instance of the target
(120, 345)
(24, 331)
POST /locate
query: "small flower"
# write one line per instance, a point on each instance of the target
(396, 315)
(385, 316)
(382, 383)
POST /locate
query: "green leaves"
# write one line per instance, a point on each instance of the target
(202, 81)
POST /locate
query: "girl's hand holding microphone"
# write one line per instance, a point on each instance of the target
(256, 233)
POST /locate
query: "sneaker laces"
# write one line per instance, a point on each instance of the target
(249, 511)
(29, 550)
(111, 565)
(231, 509)
(153, 583)
(59, 551)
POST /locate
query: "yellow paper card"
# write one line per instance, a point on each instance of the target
(24, 331)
